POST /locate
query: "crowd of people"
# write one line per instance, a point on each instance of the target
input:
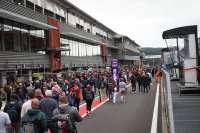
(44, 103)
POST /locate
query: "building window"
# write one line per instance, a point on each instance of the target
(93, 29)
(37, 40)
(87, 27)
(118, 40)
(79, 26)
(17, 37)
(64, 44)
(33, 39)
(29, 5)
(8, 35)
(48, 13)
(24, 38)
(19, 2)
(71, 19)
(38, 9)
(1, 45)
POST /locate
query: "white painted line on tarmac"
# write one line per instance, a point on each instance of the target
(155, 112)
(85, 102)
(97, 105)
(98, 97)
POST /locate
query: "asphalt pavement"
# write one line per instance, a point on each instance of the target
(133, 116)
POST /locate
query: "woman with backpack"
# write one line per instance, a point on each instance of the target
(89, 96)
(75, 94)
(13, 109)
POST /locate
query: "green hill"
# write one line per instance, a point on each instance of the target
(152, 51)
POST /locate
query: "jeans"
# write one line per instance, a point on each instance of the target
(114, 96)
(77, 103)
(133, 87)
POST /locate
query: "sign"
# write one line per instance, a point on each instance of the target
(20, 66)
(115, 71)
(38, 75)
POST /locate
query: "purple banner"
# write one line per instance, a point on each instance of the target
(115, 72)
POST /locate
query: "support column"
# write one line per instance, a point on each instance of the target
(30, 74)
(3, 79)
(104, 53)
(53, 43)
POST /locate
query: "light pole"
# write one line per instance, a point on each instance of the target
(153, 63)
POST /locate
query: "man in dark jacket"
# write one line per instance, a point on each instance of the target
(40, 123)
(133, 83)
(13, 108)
(47, 106)
(139, 80)
(149, 82)
(73, 112)
(144, 83)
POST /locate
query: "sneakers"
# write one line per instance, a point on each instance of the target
(123, 99)
(88, 113)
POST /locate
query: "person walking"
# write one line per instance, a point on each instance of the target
(144, 83)
(122, 87)
(158, 76)
(89, 96)
(38, 94)
(153, 72)
(75, 93)
(35, 116)
(74, 115)
(149, 82)
(139, 80)
(13, 109)
(3, 97)
(27, 105)
(102, 86)
(47, 106)
(4, 121)
(114, 90)
(56, 91)
(133, 83)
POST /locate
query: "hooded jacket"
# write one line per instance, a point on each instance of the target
(40, 118)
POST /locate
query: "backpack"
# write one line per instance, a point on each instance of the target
(62, 120)
(74, 94)
(88, 95)
(102, 84)
(12, 111)
(56, 93)
(30, 124)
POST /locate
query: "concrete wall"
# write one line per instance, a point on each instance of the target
(71, 61)
(9, 60)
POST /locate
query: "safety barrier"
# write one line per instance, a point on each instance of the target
(166, 84)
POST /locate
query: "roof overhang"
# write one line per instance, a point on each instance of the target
(95, 42)
(25, 20)
(57, 49)
(74, 35)
(112, 47)
(179, 32)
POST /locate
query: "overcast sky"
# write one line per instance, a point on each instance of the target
(143, 20)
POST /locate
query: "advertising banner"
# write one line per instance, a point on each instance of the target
(115, 71)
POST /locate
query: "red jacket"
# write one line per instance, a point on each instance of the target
(78, 91)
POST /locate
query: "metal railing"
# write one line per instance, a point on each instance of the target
(166, 84)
